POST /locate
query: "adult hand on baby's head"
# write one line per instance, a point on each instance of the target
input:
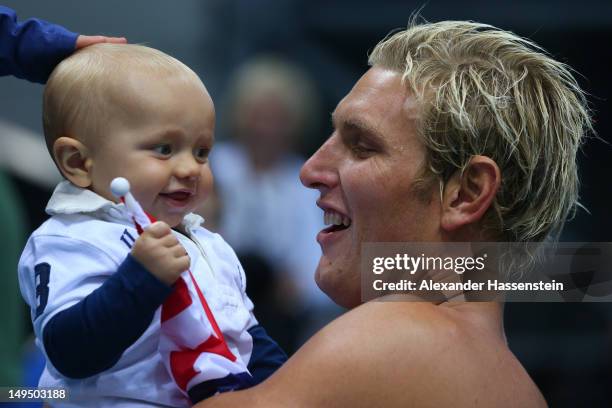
(158, 250)
(86, 40)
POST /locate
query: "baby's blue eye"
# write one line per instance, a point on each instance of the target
(164, 149)
(201, 153)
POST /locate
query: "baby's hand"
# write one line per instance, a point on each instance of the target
(158, 250)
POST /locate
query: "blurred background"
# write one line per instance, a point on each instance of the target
(276, 69)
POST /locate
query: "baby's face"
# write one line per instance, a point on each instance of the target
(159, 138)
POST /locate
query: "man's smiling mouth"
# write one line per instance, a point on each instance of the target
(336, 221)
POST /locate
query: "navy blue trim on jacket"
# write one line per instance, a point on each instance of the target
(266, 357)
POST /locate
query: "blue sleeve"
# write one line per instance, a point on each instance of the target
(266, 357)
(91, 336)
(31, 49)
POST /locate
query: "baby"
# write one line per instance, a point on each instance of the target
(94, 285)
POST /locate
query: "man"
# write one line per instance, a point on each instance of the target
(459, 132)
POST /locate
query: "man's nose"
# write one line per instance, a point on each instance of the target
(320, 171)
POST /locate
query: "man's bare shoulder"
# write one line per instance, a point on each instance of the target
(415, 353)
(404, 335)
(424, 354)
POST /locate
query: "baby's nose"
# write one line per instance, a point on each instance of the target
(187, 167)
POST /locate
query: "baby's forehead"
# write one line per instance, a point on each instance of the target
(139, 99)
(136, 88)
(138, 80)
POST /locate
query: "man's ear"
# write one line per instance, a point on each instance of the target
(74, 161)
(469, 194)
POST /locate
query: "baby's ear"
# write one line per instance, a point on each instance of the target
(74, 161)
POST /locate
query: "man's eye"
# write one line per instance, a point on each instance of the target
(359, 145)
(201, 153)
(362, 151)
(163, 150)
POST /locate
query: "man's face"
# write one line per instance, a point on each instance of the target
(159, 140)
(365, 173)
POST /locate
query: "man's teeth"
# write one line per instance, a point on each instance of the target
(332, 217)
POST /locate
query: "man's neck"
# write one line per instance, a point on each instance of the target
(489, 315)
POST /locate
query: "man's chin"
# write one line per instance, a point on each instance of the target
(344, 292)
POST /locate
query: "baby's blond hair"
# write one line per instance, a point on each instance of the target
(83, 89)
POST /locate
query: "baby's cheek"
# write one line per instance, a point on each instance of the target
(206, 183)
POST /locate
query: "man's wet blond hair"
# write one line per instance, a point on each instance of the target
(88, 89)
(485, 91)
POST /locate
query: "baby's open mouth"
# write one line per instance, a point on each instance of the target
(178, 195)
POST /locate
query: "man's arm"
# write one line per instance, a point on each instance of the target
(31, 49)
(394, 354)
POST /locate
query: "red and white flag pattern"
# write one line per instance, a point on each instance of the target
(191, 343)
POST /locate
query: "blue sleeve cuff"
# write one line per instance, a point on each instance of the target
(148, 291)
